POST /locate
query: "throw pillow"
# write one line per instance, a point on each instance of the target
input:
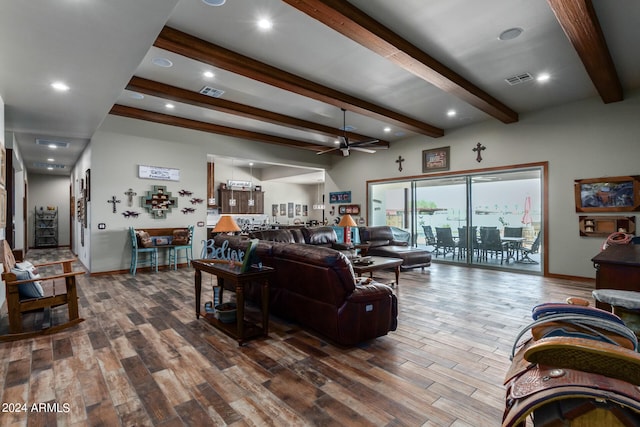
(144, 240)
(31, 289)
(180, 237)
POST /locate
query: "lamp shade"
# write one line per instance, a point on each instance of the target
(347, 221)
(226, 224)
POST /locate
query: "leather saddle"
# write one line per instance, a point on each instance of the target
(580, 363)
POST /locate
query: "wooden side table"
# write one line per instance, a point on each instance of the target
(242, 330)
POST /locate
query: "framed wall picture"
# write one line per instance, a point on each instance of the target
(611, 194)
(3, 207)
(436, 159)
(3, 166)
(340, 197)
(349, 209)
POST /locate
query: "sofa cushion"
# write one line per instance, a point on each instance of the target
(144, 239)
(324, 236)
(25, 271)
(281, 235)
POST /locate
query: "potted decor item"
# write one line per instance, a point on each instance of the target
(226, 312)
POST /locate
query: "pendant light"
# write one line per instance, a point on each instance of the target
(251, 202)
(319, 205)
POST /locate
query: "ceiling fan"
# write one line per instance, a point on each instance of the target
(345, 146)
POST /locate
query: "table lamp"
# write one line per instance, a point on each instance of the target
(347, 222)
(226, 224)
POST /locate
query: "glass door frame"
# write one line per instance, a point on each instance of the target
(411, 182)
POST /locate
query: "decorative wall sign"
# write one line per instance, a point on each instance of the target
(159, 202)
(340, 197)
(436, 159)
(154, 172)
(239, 184)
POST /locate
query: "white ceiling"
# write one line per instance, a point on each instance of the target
(97, 47)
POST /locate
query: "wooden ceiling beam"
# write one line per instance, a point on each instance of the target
(580, 23)
(189, 46)
(164, 91)
(351, 22)
(151, 116)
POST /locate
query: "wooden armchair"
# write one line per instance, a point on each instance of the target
(17, 305)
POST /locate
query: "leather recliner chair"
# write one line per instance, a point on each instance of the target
(381, 241)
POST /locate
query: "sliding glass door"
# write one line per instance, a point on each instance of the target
(487, 219)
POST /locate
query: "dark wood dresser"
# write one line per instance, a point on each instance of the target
(618, 267)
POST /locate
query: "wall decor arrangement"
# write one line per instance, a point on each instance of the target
(185, 193)
(130, 194)
(436, 159)
(87, 184)
(349, 209)
(611, 194)
(196, 201)
(158, 202)
(340, 197)
(130, 214)
(187, 210)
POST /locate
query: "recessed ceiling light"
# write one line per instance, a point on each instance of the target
(387, 129)
(170, 106)
(162, 62)
(451, 113)
(214, 2)
(208, 74)
(53, 146)
(60, 86)
(543, 77)
(337, 142)
(50, 159)
(510, 34)
(265, 24)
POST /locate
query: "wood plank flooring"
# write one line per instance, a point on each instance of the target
(142, 359)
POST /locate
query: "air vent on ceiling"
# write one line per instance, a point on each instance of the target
(52, 143)
(48, 166)
(520, 78)
(211, 91)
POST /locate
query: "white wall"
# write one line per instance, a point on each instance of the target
(2, 230)
(49, 190)
(587, 139)
(121, 145)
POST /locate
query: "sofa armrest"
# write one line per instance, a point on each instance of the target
(372, 291)
(341, 246)
(398, 243)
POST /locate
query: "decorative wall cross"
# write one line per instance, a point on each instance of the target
(479, 148)
(129, 193)
(113, 201)
(399, 162)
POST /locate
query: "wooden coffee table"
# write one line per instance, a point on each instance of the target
(379, 263)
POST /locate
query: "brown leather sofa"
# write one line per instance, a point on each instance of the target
(318, 236)
(315, 287)
(381, 241)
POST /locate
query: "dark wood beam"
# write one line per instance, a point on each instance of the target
(191, 47)
(150, 116)
(351, 22)
(579, 21)
(164, 91)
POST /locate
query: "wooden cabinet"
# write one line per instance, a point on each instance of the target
(242, 202)
(618, 267)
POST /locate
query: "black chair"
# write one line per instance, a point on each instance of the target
(533, 249)
(514, 247)
(463, 240)
(513, 232)
(444, 241)
(492, 244)
(429, 237)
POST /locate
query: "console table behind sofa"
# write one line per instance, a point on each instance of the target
(162, 239)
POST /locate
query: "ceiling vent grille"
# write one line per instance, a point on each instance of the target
(52, 143)
(520, 78)
(211, 91)
(49, 166)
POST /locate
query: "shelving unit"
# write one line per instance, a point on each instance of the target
(46, 227)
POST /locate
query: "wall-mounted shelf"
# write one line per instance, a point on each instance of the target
(46, 227)
(602, 226)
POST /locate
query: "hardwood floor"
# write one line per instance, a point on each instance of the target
(142, 359)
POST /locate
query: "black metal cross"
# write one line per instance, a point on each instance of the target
(113, 201)
(479, 148)
(399, 162)
(129, 193)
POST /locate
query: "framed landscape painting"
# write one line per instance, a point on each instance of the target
(611, 194)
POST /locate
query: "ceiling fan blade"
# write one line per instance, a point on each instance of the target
(364, 150)
(365, 142)
(327, 151)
